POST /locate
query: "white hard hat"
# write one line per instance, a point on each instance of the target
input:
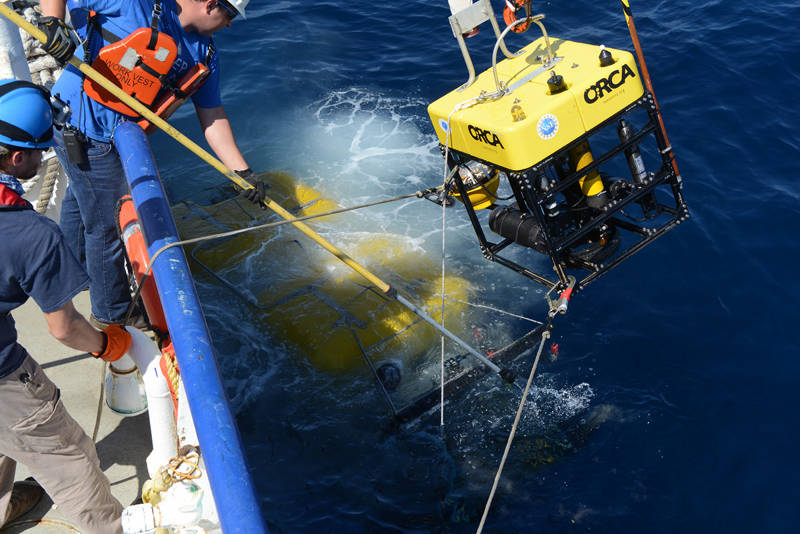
(239, 6)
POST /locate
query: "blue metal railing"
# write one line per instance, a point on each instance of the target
(220, 445)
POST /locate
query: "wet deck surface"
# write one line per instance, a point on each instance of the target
(122, 442)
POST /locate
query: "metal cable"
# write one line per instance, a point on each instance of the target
(418, 194)
(444, 248)
(447, 177)
(100, 400)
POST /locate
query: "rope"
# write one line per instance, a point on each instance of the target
(498, 310)
(172, 372)
(447, 177)
(545, 336)
(44, 70)
(444, 234)
(50, 174)
(100, 399)
(43, 67)
(186, 467)
(178, 469)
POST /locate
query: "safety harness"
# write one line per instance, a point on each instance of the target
(139, 64)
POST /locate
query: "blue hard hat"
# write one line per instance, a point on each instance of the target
(26, 117)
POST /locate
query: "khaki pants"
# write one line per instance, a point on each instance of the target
(37, 431)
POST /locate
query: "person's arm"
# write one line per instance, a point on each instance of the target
(219, 134)
(73, 330)
(54, 8)
(58, 42)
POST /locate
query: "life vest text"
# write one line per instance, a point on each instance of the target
(128, 77)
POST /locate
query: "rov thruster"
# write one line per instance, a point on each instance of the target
(563, 145)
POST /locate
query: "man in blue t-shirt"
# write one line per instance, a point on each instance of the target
(35, 428)
(86, 149)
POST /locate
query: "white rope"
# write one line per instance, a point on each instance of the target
(545, 335)
(498, 310)
(49, 174)
(43, 67)
(444, 233)
(447, 175)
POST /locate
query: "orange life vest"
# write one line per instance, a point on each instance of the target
(138, 64)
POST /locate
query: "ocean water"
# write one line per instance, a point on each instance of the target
(671, 405)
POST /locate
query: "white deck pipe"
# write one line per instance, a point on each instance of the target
(13, 63)
(146, 356)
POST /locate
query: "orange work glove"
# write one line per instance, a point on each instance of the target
(118, 341)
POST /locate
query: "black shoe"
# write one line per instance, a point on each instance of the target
(25, 495)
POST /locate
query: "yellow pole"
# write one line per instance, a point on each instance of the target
(142, 110)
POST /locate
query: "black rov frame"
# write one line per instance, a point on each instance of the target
(534, 192)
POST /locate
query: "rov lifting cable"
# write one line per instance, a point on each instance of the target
(545, 336)
(142, 110)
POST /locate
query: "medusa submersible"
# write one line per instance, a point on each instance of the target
(573, 133)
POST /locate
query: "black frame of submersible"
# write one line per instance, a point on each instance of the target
(532, 202)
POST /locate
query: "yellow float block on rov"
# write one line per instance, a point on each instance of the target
(310, 300)
(530, 122)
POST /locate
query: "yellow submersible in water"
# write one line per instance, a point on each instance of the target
(309, 299)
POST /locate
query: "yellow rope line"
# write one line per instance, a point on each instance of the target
(172, 372)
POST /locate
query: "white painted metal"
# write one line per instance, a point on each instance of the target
(146, 355)
(13, 63)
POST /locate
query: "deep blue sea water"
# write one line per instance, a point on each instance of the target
(687, 350)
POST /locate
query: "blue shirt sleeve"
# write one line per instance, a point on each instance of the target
(51, 275)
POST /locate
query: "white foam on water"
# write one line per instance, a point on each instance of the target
(358, 145)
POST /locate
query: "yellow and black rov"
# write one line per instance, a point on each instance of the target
(541, 124)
